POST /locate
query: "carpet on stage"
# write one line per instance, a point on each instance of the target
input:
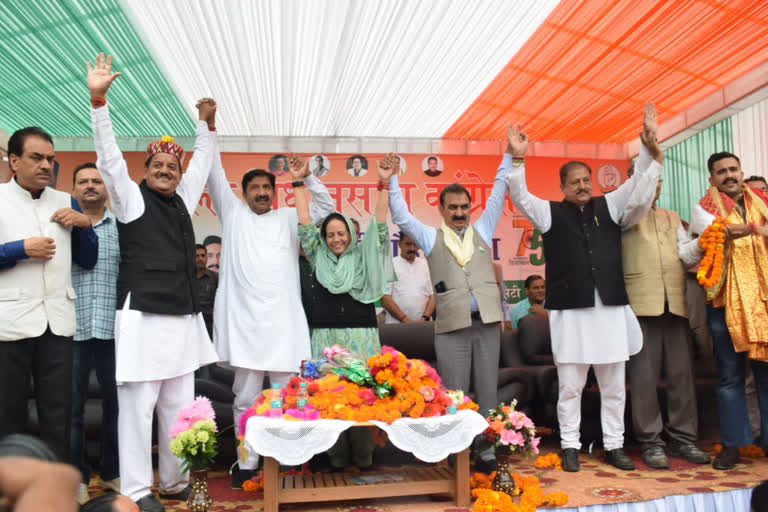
(596, 483)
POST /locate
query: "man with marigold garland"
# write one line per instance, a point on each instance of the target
(160, 334)
(736, 299)
(589, 315)
(655, 253)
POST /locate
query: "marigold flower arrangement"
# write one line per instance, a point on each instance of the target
(386, 387)
(527, 487)
(712, 240)
(511, 431)
(194, 435)
(550, 460)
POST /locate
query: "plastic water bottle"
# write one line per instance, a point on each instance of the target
(302, 396)
(276, 402)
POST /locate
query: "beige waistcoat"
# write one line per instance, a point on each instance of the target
(475, 278)
(652, 267)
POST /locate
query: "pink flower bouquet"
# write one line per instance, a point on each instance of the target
(511, 431)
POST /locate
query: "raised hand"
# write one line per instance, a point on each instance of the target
(100, 77)
(387, 166)
(206, 108)
(298, 166)
(517, 141)
(649, 136)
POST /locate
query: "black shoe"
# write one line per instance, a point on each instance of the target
(726, 459)
(689, 452)
(240, 476)
(654, 458)
(485, 462)
(182, 495)
(570, 459)
(618, 459)
(149, 503)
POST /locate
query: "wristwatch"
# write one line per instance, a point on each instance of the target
(426, 318)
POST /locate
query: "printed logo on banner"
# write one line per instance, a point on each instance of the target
(608, 177)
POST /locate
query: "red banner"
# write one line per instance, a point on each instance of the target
(351, 181)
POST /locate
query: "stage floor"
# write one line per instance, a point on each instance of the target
(596, 483)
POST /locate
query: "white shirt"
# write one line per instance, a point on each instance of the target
(600, 334)
(150, 346)
(412, 289)
(258, 320)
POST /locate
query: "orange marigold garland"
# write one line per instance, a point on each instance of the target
(344, 387)
(528, 488)
(712, 240)
(751, 451)
(550, 460)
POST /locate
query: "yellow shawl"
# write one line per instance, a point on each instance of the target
(461, 248)
(742, 287)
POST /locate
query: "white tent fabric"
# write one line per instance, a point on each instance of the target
(749, 129)
(347, 68)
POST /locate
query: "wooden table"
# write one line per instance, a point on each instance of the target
(418, 480)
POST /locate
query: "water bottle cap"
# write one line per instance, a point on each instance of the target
(275, 386)
(302, 384)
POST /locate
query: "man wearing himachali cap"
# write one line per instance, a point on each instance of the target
(160, 335)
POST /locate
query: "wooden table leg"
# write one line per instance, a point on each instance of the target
(462, 479)
(272, 485)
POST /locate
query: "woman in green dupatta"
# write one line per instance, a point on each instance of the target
(352, 278)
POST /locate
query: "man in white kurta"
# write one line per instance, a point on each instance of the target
(410, 298)
(601, 336)
(259, 322)
(156, 354)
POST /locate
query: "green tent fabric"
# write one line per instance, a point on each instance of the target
(685, 174)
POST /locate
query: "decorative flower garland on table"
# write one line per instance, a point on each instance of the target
(386, 387)
(712, 240)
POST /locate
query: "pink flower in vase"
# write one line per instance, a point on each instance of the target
(527, 423)
(180, 426)
(200, 409)
(511, 437)
(535, 444)
(515, 420)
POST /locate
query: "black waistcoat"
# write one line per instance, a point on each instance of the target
(157, 253)
(583, 250)
(330, 310)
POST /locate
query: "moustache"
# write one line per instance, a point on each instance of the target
(582, 191)
(730, 180)
(261, 198)
(163, 175)
(460, 217)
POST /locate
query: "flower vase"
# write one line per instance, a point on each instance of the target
(199, 500)
(503, 481)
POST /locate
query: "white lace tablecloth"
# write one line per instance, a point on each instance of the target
(429, 439)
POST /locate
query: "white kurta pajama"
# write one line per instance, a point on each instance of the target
(603, 336)
(155, 354)
(259, 321)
